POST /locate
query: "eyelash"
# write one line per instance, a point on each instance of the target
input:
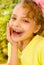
(26, 21)
(14, 18)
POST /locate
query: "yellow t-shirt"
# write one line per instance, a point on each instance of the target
(33, 54)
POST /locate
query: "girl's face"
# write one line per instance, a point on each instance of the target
(22, 27)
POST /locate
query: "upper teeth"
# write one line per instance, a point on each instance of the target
(17, 31)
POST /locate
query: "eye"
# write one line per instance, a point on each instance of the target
(26, 21)
(14, 18)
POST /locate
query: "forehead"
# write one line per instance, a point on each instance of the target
(20, 10)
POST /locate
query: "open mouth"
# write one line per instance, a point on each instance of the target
(16, 32)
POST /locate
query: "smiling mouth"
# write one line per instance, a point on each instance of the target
(16, 32)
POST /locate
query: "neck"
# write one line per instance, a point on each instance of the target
(23, 44)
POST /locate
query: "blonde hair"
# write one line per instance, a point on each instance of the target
(34, 13)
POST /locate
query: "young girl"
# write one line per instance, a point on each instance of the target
(23, 33)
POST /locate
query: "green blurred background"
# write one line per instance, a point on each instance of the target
(6, 7)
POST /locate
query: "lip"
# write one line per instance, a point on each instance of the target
(16, 32)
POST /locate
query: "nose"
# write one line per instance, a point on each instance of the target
(16, 23)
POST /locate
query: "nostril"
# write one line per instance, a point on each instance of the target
(17, 25)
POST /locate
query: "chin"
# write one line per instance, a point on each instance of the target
(19, 39)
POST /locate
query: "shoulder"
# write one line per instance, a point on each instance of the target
(39, 40)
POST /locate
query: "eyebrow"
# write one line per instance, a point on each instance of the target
(22, 16)
(13, 14)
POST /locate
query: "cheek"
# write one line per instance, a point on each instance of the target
(26, 26)
(29, 27)
(10, 22)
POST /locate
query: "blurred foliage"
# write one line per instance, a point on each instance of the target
(6, 7)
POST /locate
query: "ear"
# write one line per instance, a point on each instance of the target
(37, 28)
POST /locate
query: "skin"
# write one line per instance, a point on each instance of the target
(21, 23)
